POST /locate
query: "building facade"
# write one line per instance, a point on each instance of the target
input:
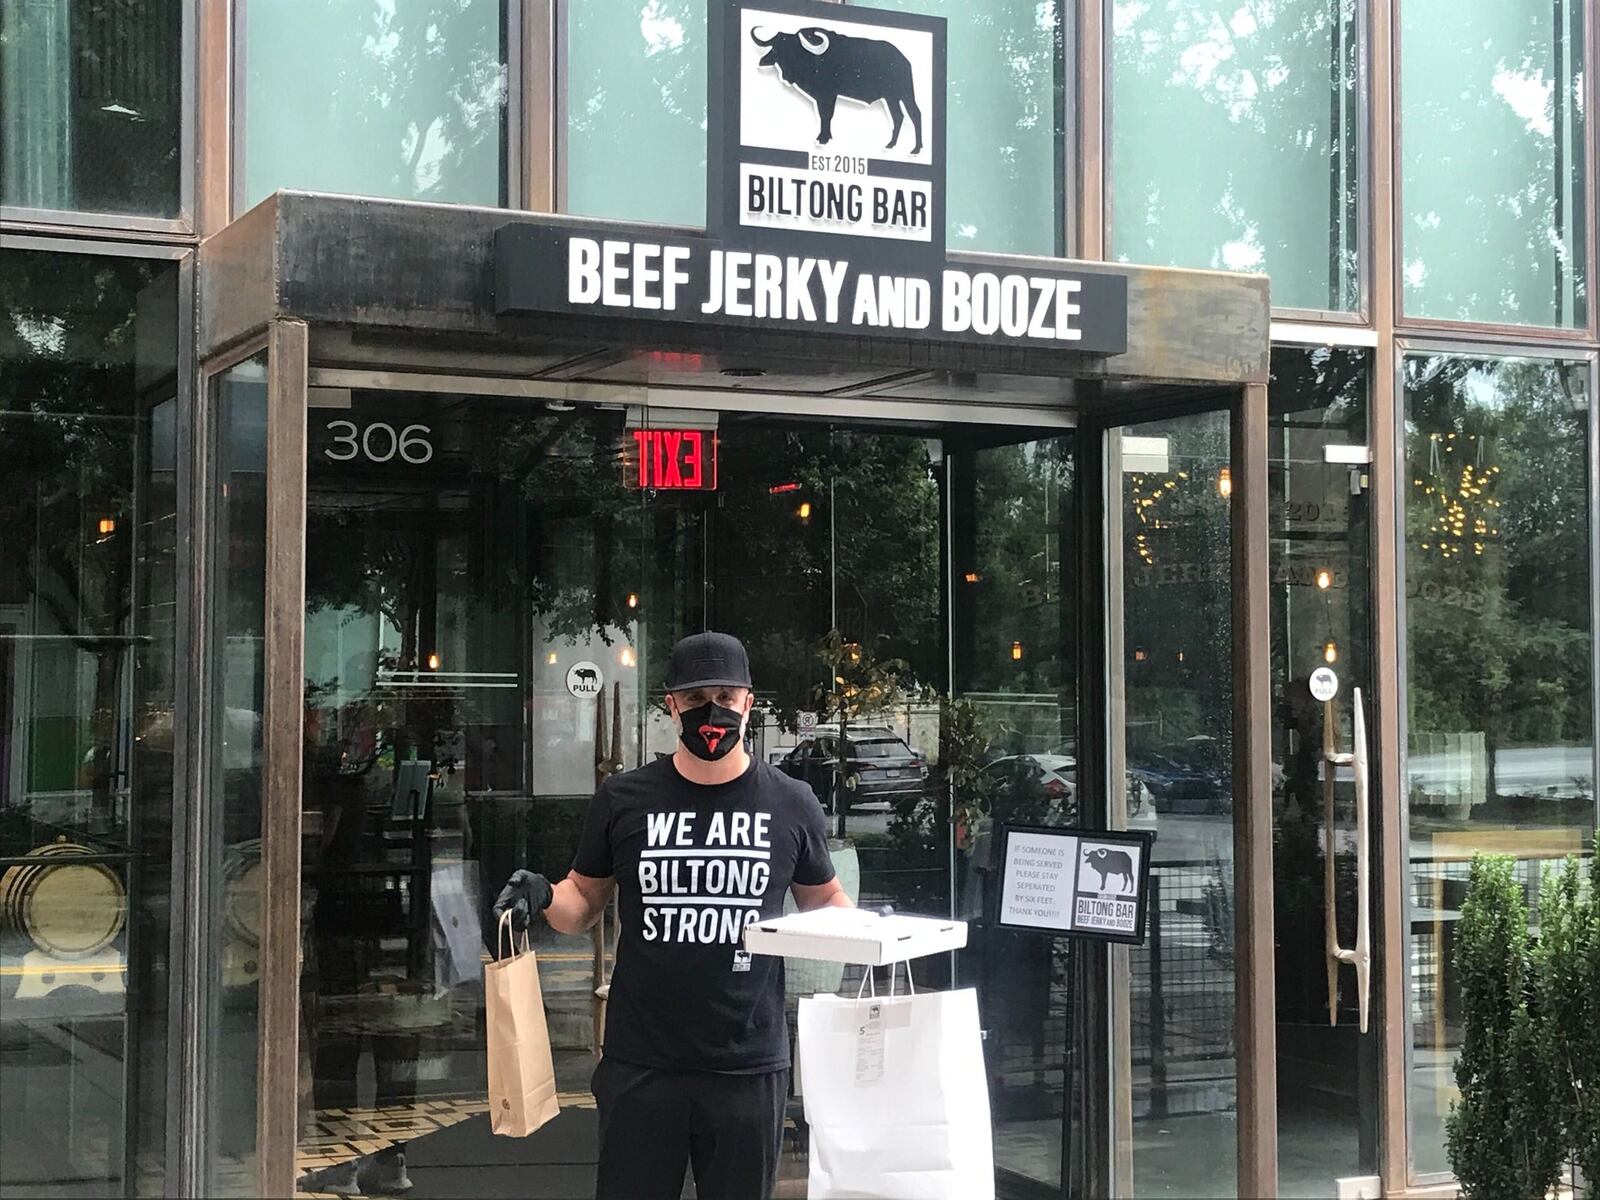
(334, 590)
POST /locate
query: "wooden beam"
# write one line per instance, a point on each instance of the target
(283, 704)
(1255, 999)
(1390, 952)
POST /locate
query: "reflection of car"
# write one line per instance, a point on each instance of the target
(877, 765)
(1183, 779)
(1056, 772)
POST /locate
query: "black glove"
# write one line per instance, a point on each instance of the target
(524, 894)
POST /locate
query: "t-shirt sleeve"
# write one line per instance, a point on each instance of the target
(813, 865)
(594, 843)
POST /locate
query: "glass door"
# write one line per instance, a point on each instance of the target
(491, 593)
(1321, 621)
(1012, 712)
(1175, 1059)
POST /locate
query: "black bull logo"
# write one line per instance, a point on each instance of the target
(1111, 863)
(826, 65)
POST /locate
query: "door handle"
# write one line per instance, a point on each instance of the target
(1361, 956)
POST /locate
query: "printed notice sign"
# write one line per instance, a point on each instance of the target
(1075, 882)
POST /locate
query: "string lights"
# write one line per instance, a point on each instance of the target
(1464, 515)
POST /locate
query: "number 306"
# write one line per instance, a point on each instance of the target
(379, 442)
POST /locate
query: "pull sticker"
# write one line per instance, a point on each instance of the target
(869, 1046)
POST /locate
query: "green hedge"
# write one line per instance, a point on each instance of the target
(1529, 1068)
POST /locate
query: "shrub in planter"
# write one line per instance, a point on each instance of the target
(1505, 1134)
(1586, 1034)
(1562, 1002)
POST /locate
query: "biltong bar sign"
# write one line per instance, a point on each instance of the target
(825, 204)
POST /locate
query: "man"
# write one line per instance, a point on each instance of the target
(696, 1063)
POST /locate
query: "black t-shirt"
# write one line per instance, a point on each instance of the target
(694, 865)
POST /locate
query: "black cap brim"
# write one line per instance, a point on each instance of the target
(700, 683)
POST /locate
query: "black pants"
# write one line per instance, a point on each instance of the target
(654, 1123)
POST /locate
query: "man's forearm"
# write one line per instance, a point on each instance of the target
(808, 897)
(570, 910)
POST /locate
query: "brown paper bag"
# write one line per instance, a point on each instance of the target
(522, 1076)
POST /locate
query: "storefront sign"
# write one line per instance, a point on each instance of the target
(1077, 883)
(550, 268)
(681, 460)
(825, 205)
(827, 124)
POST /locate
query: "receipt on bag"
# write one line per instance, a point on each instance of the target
(869, 1046)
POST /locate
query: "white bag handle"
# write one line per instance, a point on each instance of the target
(867, 976)
(502, 940)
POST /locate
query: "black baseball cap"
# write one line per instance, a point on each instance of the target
(708, 660)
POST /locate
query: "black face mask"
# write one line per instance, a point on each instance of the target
(710, 731)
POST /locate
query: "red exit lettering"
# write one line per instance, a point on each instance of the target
(673, 460)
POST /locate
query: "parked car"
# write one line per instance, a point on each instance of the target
(878, 765)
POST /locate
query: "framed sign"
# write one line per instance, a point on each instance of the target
(1075, 882)
(826, 123)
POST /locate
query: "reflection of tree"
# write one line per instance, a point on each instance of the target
(1001, 98)
(1227, 152)
(1497, 551)
(1177, 614)
(413, 91)
(867, 550)
(1493, 143)
(1011, 578)
(69, 536)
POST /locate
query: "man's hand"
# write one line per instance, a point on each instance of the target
(525, 894)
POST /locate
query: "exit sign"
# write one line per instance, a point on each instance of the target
(680, 460)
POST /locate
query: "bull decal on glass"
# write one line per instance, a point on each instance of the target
(826, 65)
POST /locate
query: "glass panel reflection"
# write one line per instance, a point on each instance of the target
(1234, 142)
(87, 416)
(1499, 716)
(1320, 605)
(1176, 992)
(238, 598)
(1492, 119)
(1009, 751)
(90, 97)
(375, 99)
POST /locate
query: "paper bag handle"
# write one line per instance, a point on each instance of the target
(868, 977)
(503, 940)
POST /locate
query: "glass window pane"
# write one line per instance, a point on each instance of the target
(636, 105)
(1233, 142)
(238, 596)
(1492, 133)
(89, 105)
(1497, 657)
(374, 98)
(87, 372)
(636, 110)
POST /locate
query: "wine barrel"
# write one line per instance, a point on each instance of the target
(66, 909)
(242, 881)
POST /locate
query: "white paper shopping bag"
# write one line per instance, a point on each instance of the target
(896, 1097)
(522, 1075)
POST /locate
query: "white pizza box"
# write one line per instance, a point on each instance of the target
(854, 935)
